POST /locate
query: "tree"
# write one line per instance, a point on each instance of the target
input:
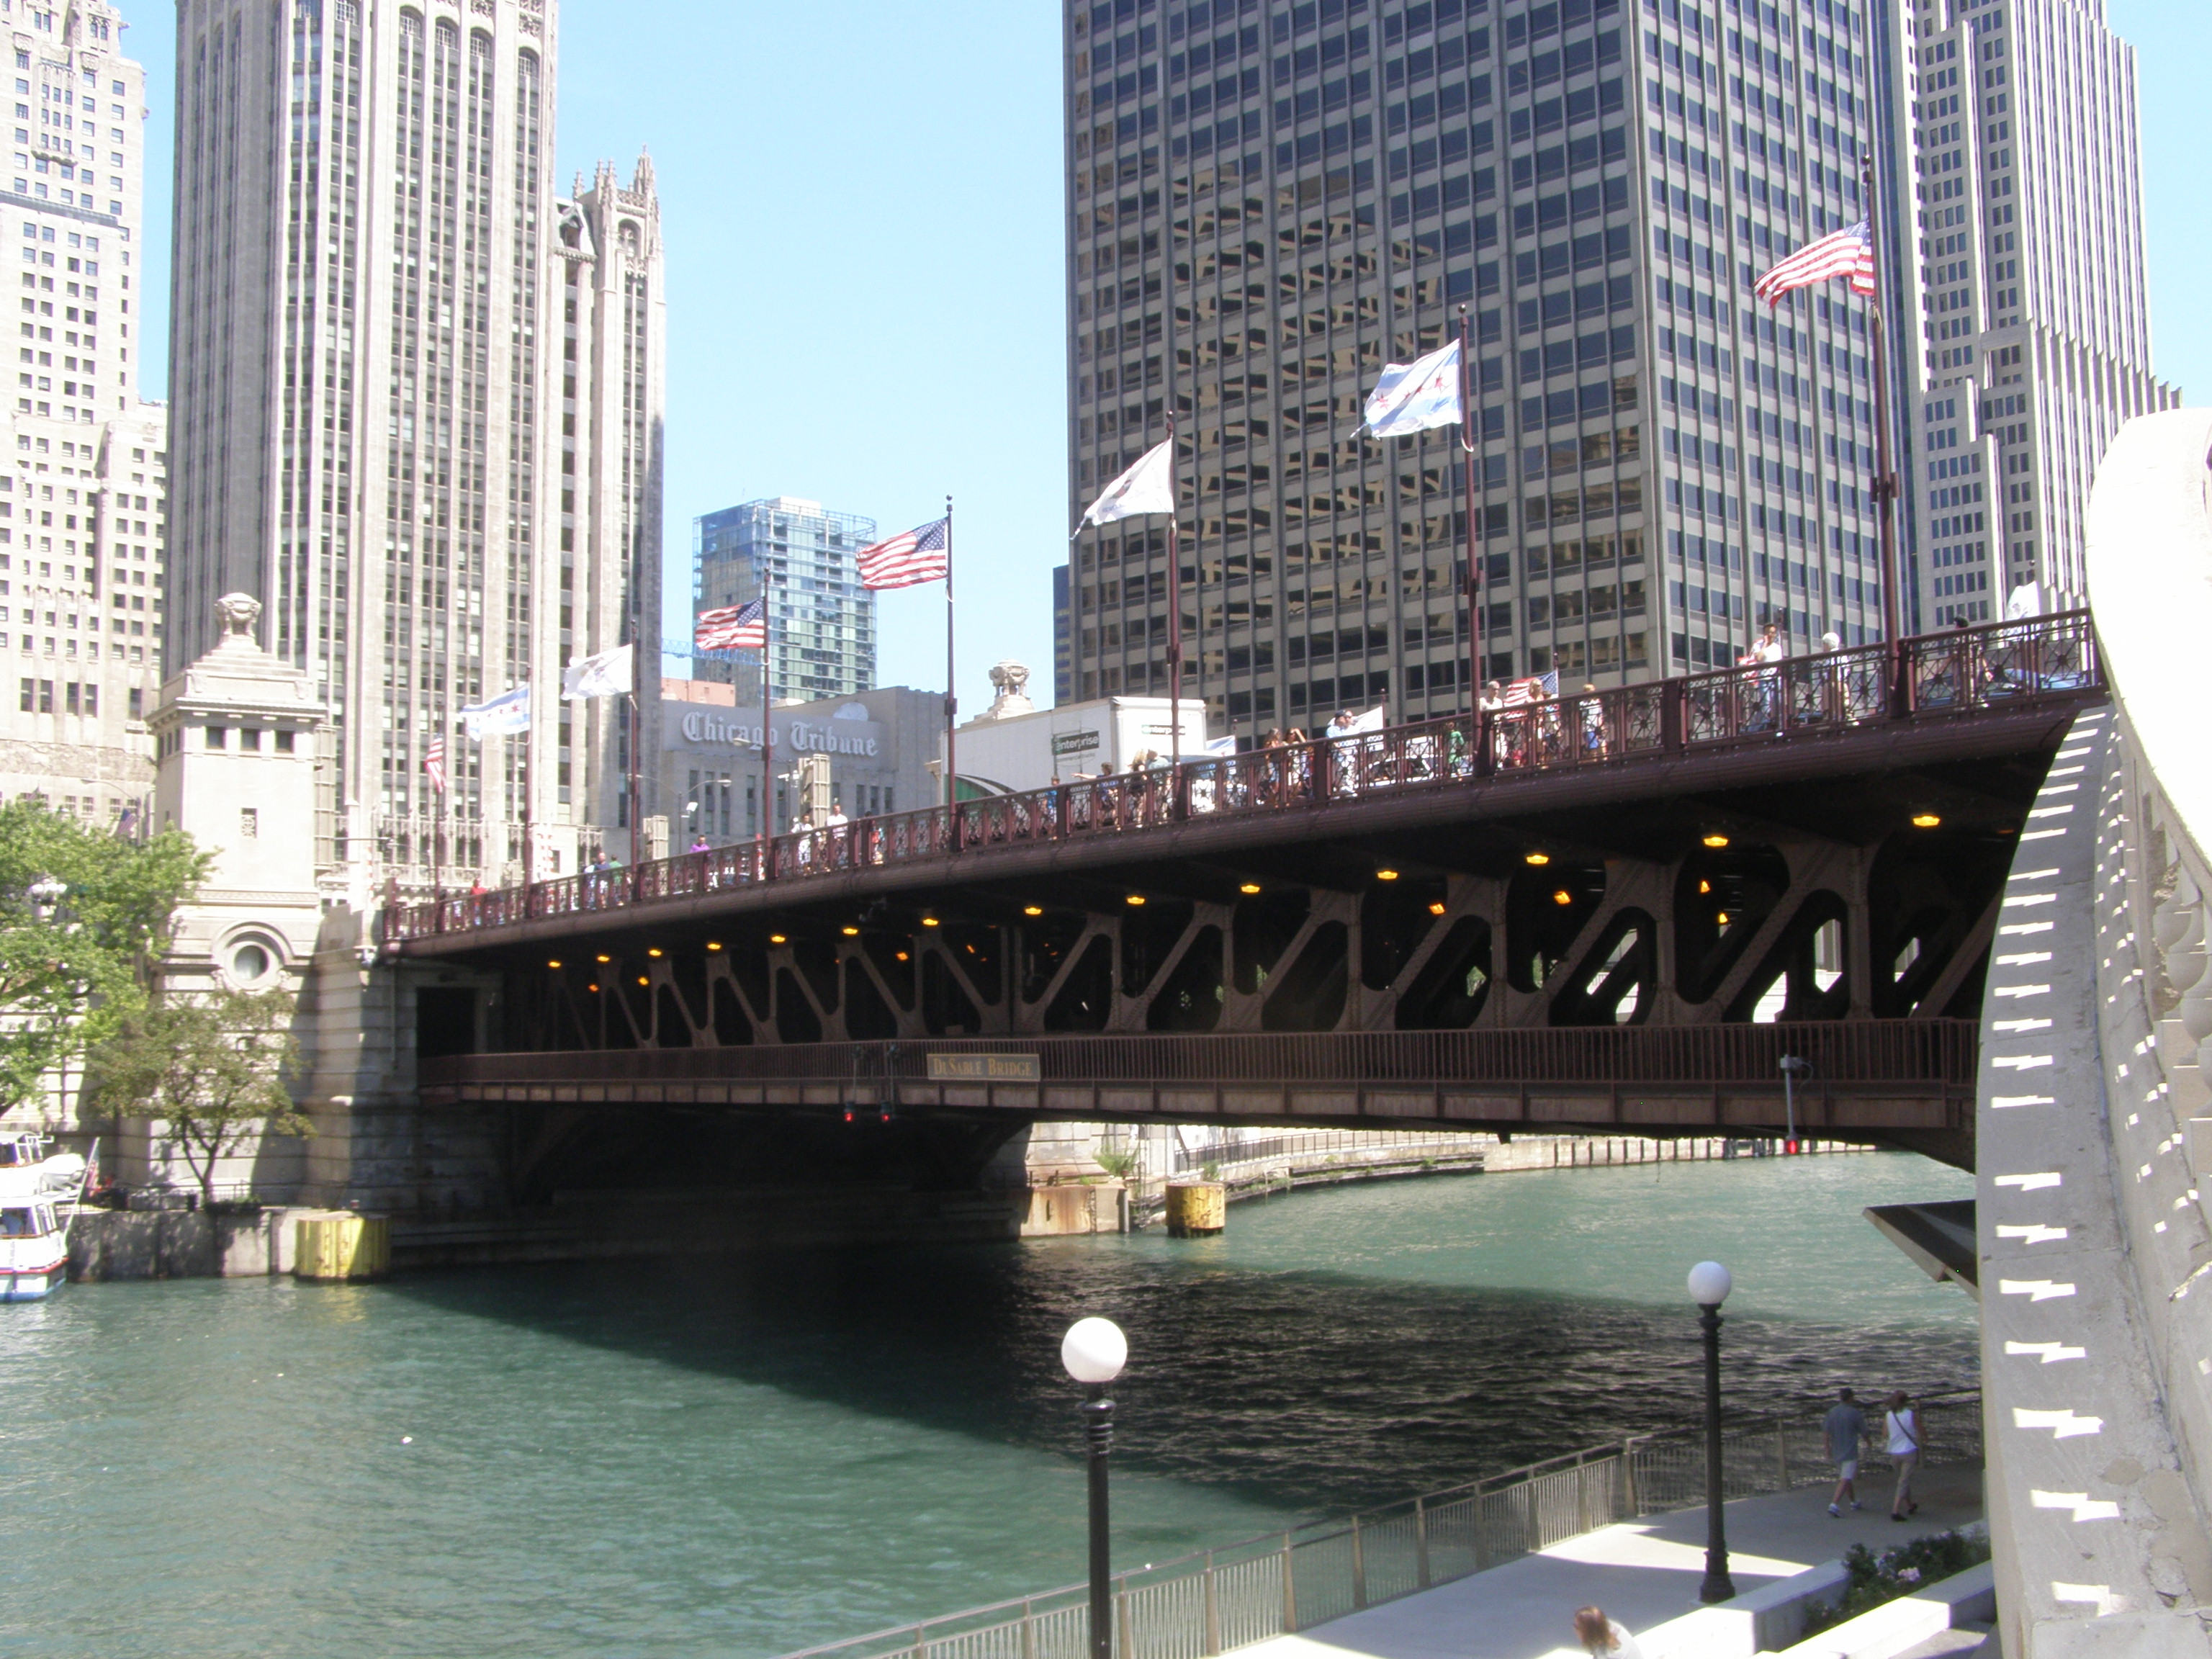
(213, 1071)
(75, 964)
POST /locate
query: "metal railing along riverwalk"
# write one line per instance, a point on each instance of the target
(1280, 1583)
(2008, 664)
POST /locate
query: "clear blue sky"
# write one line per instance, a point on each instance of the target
(862, 206)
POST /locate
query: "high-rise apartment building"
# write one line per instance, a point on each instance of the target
(2030, 312)
(1266, 203)
(84, 478)
(416, 398)
(821, 623)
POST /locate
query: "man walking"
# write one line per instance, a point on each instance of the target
(1844, 1427)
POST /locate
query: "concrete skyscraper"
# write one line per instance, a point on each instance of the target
(81, 507)
(1267, 204)
(2019, 136)
(419, 396)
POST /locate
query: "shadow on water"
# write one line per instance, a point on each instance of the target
(1301, 1389)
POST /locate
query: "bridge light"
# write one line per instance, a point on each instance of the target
(775, 939)
(1539, 858)
(1135, 898)
(1925, 820)
(902, 955)
(642, 980)
(1386, 875)
(606, 958)
(654, 951)
(1705, 887)
(1437, 907)
(552, 964)
(712, 945)
(850, 933)
(929, 921)
(1249, 888)
(594, 989)
(1715, 841)
(1032, 910)
(1721, 919)
(1563, 896)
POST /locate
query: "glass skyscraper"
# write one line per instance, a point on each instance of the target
(1266, 203)
(821, 623)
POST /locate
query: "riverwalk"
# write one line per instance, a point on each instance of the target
(1643, 1573)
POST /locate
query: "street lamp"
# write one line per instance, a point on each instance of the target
(1793, 1067)
(1094, 1350)
(46, 895)
(1709, 1288)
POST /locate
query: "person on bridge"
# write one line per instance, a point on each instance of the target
(1903, 1425)
(1602, 1637)
(1844, 1428)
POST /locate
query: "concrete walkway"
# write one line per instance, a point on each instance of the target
(1641, 1572)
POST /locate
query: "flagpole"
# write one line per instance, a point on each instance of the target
(636, 805)
(529, 808)
(951, 679)
(1175, 609)
(1473, 572)
(1884, 481)
(767, 739)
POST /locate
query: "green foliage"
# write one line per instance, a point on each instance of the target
(1911, 1567)
(214, 1070)
(1115, 1161)
(68, 981)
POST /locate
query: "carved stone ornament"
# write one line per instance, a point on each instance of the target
(239, 613)
(1009, 678)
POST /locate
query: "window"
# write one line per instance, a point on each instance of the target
(218, 737)
(249, 827)
(284, 739)
(28, 705)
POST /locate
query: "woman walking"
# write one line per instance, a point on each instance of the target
(1903, 1423)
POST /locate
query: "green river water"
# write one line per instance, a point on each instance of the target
(743, 1457)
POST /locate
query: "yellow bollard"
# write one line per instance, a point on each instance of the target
(341, 1247)
(1196, 1208)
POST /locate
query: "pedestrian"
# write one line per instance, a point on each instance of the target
(1602, 1637)
(1493, 696)
(1845, 1428)
(1903, 1426)
(701, 844)
(1832, 640)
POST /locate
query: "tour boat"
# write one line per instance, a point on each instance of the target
(33, 1231)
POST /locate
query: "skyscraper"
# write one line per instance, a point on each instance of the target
(81, 491)
(2020, 139)
(1266, 204)
(416, 396)
(821, 623)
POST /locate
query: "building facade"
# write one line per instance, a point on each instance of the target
(821, 623)
(873, 752)
(83, 496)
(2031, 312)
(1268, 204)
(417, 399)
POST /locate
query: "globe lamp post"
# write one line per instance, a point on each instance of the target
(1094, 1350)
(1710, 1284)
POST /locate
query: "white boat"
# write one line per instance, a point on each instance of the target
(34, 1187)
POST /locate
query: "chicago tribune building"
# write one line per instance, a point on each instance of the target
(1267, 203)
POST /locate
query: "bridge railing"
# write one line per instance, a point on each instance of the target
(1281, 1582)
(1933, 675)
(1840, 1052)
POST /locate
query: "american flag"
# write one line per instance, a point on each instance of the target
(434, 764)
(1535, 687)
(733, 628)
(1847, 253)
(922, 555)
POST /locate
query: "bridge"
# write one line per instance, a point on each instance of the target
(1614, 910)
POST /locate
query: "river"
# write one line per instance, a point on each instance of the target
(743, 1456)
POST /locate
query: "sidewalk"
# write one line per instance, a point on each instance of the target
(1641, 1572)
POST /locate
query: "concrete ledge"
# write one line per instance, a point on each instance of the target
(1965, 1598)
(1759, 1621)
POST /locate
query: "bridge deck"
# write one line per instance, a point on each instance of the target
(1958, 697)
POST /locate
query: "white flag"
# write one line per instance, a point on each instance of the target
(607, 674)
(1147, 487)
(498, 717)
(1413, 397)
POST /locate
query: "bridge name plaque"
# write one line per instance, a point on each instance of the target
(983, 1068)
